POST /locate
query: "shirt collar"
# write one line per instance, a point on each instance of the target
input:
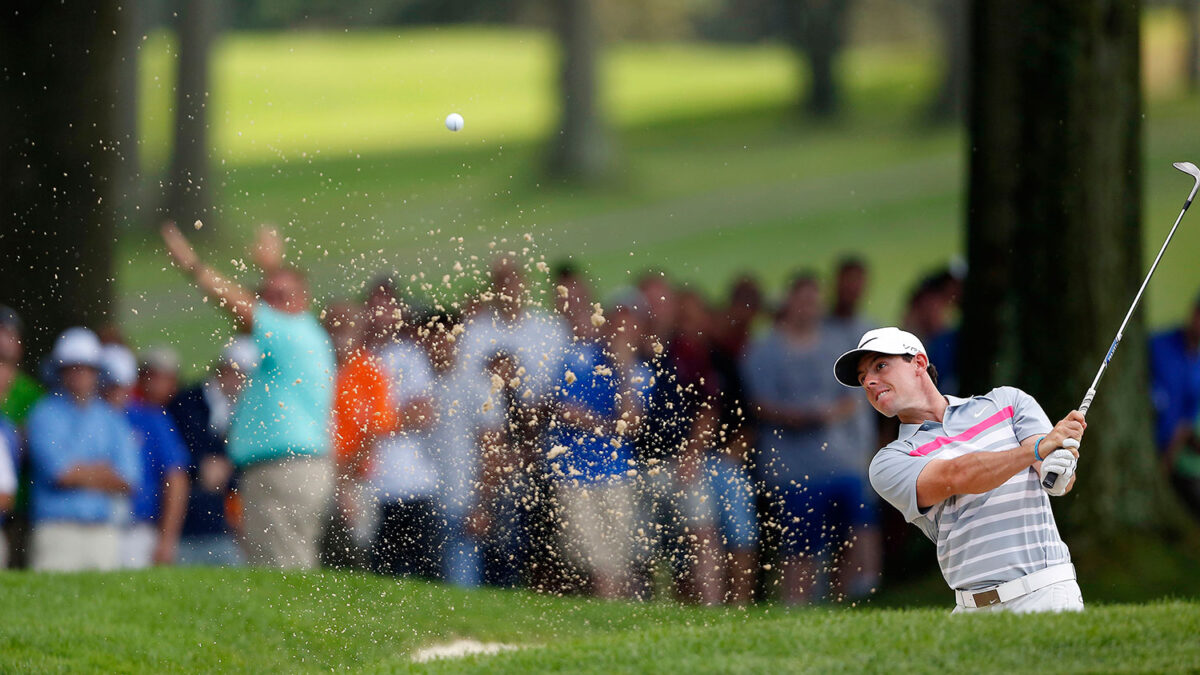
(907, 430)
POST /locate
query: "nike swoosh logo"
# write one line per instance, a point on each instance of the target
(978, 413)
(864, 342)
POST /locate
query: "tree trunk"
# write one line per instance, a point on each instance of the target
(127, 181)
(57, 160)
(189, 191)
(947, 103)
(1054, 240)
(582, 149)
(819, 33)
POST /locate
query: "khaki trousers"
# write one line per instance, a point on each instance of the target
(286, 503)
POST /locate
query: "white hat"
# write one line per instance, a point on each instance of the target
(118, 365)
(76, 346)
(890, 340)
(243, 353)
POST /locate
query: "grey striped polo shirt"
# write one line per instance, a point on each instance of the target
(986, 539)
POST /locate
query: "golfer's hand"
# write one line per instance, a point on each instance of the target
(1071, 426)
(1063, 463)
(181, 252)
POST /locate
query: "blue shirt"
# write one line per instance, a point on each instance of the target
(1174, 383)
(162, 451)
(284, 408)
(588, 457)
(63, 434)
(780, 372)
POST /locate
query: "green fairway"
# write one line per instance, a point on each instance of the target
(258, 621)
(338, 138)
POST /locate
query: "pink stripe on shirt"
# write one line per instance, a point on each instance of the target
(964, 436)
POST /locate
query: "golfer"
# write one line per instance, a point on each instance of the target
(967, 472)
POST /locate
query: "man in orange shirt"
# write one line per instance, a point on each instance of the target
(362, 411)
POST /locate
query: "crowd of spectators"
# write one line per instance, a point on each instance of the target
(652, 443)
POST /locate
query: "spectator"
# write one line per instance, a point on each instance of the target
(202, 415)
(590, 461)
(362, 416)
(1175, 392)
(468, 420)
(507, 489)
(16, 399)
(160, 501)
(532, 341)
(930, 310)
(508, 322)
(850, 282)
(84, 462)
(10, 357)
(817, 491)
(858, 435)
(158, 378)
(408, 540)
(279, 433)
(729, 467)
(676, 433)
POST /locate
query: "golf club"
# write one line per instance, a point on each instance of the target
(1191, 170)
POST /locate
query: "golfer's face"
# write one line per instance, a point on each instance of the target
(882, 378)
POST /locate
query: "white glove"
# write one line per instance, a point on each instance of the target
(1063, 463)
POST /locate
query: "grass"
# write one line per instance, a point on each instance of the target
(190, 620)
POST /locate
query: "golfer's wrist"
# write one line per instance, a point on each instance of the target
(1042, 448)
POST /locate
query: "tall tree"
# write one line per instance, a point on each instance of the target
(189, 192)
(57, 96)
(818, 32)
(1054, 239)
(127, 180)
(582, 149)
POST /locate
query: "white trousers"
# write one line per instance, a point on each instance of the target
(1063, 596)
(70, 547)
(137, 545)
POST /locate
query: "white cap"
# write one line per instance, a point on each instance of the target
(243, 353)
(890, 340)
(76, 346)
(118, 366)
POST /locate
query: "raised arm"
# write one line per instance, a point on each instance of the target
(979, 472)
(235, 299)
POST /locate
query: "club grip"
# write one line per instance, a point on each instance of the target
(1048, 481)
(1087, 401)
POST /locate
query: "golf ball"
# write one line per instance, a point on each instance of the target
(454, 122)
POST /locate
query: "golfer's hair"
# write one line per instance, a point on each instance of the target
(931, 369)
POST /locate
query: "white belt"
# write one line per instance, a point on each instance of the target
(1011, 590)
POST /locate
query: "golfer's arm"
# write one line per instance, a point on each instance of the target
(971, 474)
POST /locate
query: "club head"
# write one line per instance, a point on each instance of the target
(1188, 168)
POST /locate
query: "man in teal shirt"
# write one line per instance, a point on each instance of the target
(279, 435)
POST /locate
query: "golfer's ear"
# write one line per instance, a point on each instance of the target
(921, 361)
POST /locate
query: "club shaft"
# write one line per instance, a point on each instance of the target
(1087, 399)
(1050, 478)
